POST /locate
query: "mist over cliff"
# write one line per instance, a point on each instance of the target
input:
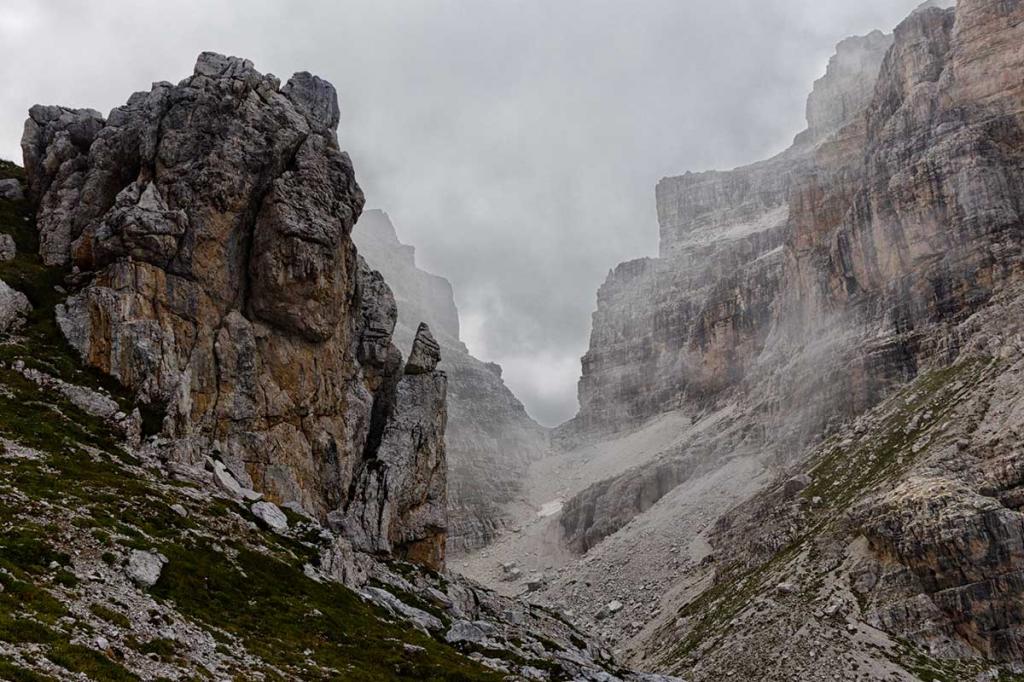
(250, 429)
(501, 138)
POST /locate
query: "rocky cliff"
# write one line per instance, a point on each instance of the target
(676, 331)
(490, 438)
(836, 326)
(207, 228)
(184, 319)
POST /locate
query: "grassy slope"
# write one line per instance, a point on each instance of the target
(248, 590)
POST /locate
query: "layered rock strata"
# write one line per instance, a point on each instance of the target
(206, 226)
(676, 331)
(490, 438)
(898, 241)
(885, 232)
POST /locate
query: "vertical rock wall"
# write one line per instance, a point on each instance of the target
(206, 229)
(806, 287)
(490, 438)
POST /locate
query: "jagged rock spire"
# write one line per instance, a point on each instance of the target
(426, 352)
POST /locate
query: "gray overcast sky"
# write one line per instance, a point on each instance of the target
(515, 143)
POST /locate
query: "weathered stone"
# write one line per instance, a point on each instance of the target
(795, 484)
(10, 190)
(608, 610)
(478, 632)
(425, 354)
(14, 306)
(399, 502)
(270, 514)
(8, 249)
(315, 98)
(225, 481)
(421, 619)
(210, 224)
(341, 562)
(145, 567)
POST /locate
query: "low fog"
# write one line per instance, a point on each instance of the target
(515, 144)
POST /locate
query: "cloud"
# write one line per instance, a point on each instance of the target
(516, 144)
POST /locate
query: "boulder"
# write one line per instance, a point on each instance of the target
(609, 609)
(795, 484)
(10, 189)
(473, 632)
(421, 619)
(145, 567)
(8, 249)
(14, 307)
(270, 514)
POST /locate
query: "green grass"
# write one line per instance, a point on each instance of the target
(110, 615)
(14, 673)
(93, 664)
(843, 474)
(270, 605)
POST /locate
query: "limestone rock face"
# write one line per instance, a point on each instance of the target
(809, 285)
(490, 438)
(208, 227)
(425, 354)
(848, 84)
(900, 236)
(399, 503)
(14, 306)
(676, 331)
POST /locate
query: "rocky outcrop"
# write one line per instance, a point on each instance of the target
(605, 507)
(677, 331)
(905, 524)
(840, 95)
(207, 228)
(901, 236)
(490, 438)
(398, 505)
(14, 306)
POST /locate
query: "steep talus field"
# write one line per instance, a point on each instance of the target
(215, 462)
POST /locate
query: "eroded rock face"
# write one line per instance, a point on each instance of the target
(14, 306)
(901, 260)
(889, 230)
(677, 331)
(399, 502)
(208, 227)
(490, 439)
(849, 82)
